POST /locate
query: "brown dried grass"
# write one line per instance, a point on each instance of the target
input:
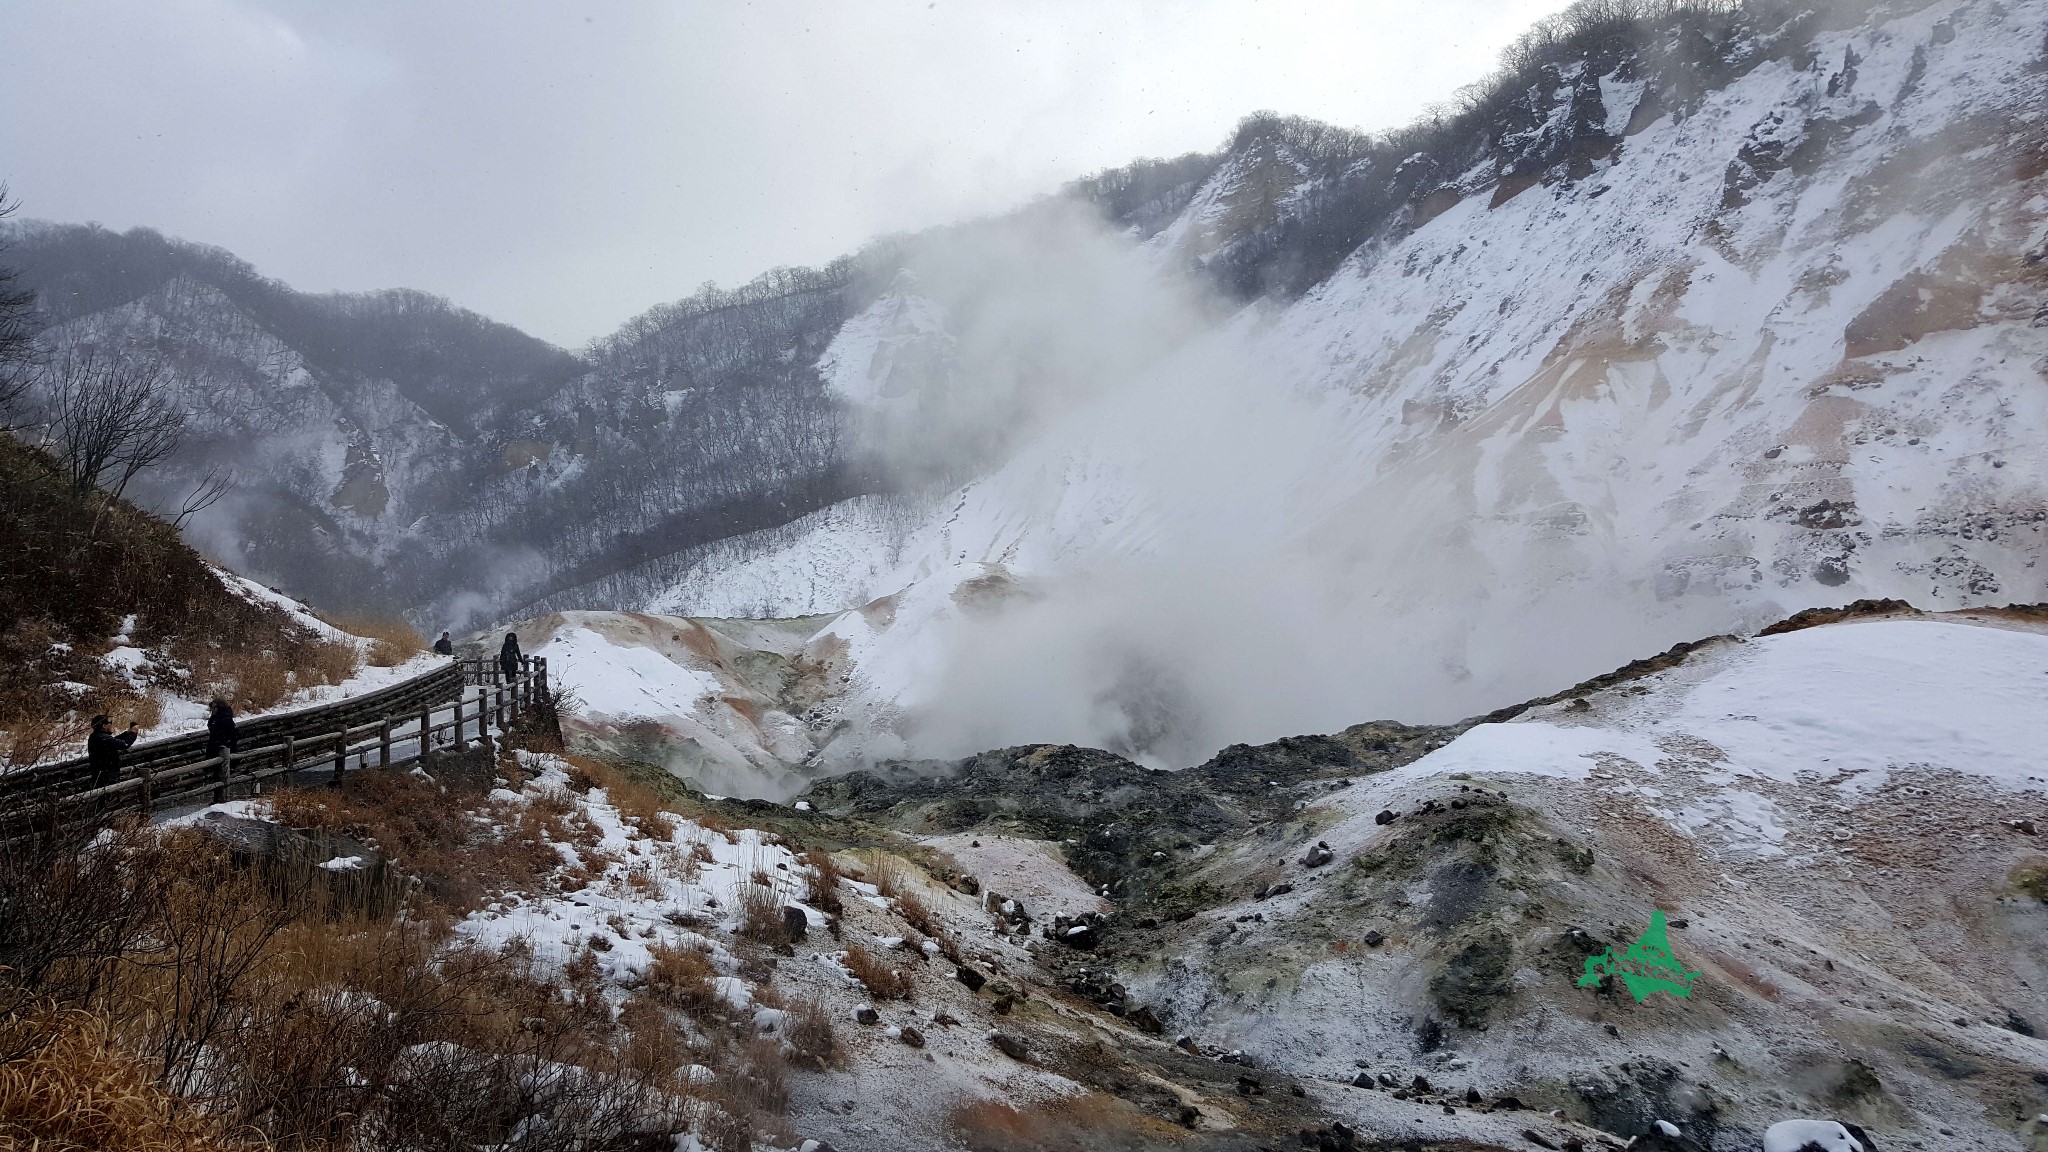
(392, 641)
(430, 833)
(80, 1092)
(681, 978)
(812, 1043)
(883, 870)
(640, 805)
(326, 662)
(1090, 1122)
(760, 908)
(255, 679)
(824, 882)
(882, 980)
(914, 913)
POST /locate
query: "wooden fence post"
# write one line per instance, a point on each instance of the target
(384, 744)
(221, 772)
(340, 756)
(291, 759)
(145, 789)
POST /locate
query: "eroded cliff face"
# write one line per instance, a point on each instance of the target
(1686, 343)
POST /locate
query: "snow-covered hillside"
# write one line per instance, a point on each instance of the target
(1807, 807)
(1777, 344)
(1841, 824)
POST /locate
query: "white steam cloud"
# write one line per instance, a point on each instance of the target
(1182, 546)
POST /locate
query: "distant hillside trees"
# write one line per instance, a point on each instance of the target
(17, 324)
(109, 416)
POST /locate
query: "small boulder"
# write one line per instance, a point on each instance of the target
(1374, 939)
(1386, 816)
(1010, 1046)
(912, 1036)
(1145, 1020)
(1280, 889)
(1421, 1084)
(968, 976)
(1362, 1080)
(968, 885)
(866, 1015)
(1317, 856)
(795, 923)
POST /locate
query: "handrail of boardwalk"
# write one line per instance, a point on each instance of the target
(390, 728)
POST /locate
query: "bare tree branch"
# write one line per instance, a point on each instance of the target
(217, 482)
(17, 326)
(110, 416)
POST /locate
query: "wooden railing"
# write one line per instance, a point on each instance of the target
(390, 728)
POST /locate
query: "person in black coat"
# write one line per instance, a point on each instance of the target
(508, 656)
(445, 645)
(103, 750)
(220, 728)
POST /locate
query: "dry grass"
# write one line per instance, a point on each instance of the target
(250, 680)
(254, 679)
(882, 980)
(640, 805)
(681, 978)
(392, 641)
(80, 1092)
(760, 910)
(914, 913)
(824, 882)
(326, 662)
(432, 834)
(812, 1043)
(1091, 1122)
(331, 1028)
(884, 870)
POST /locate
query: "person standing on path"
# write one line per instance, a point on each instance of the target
(103, 750)
(445, 645)
(220, 728)
(509, 657)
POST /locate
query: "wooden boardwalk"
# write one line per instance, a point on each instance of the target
(390, 728)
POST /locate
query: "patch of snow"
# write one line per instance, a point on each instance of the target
(1795, 1135)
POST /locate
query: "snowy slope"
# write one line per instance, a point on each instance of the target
(1778, 349)
(709, 700)
(1831, 818)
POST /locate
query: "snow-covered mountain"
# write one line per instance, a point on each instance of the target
(1689, 317)
(1678, 348)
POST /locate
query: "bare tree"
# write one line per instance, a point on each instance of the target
(17, 327)
(110, 416)
(217, 482)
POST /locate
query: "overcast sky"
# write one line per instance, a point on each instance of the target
(564, 166)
